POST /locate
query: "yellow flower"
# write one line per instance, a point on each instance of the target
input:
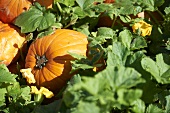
(95, 69)
(46, 92)
(34, 90)
(26, 73)
(43, 90)
(144, 27)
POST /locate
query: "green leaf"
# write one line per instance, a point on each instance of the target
(86, 107)
(104, 35)
(3, 66)
(125, 37)
(159, 69)
(77, 56)
(6, 76)
(149, 65)
(167, 10)
(130, 9)
(106, 32)
(25, 93)
(2, 97)
(75, 79)
(36, 18)
(14, 90)
(163, 67)
(66, 2)
(49, 108)
(139, 106)
(79, 65)
(101, 89)
(152, 5)
(125, 19)
(138, 43)
(167, 104)
(70, 97)
(154, 109)
(135, 58)
(121, 77)
(128, 96)
(83, 29)
(118, 55)
(84, 3)
(45, 33)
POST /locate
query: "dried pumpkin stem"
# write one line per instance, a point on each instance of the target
(41, 61)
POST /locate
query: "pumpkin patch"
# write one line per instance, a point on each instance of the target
(84, 56)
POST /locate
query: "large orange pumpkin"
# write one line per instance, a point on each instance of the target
(10, 9)
(49, 59)
(11, 40)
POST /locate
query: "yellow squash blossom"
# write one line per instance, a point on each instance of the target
(144, 27)
(26, 73)
(43, 90)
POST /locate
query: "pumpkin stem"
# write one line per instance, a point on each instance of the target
(41, 61)
(59, 7)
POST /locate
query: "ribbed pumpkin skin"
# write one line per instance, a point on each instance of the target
(10, 9)
(10, 43)
(55, 47)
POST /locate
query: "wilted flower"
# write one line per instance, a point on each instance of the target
(43, 90)
(26, 73)
(144, 27)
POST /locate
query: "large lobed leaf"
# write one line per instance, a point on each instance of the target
(102, 89)
(37, 18)
(159, 68)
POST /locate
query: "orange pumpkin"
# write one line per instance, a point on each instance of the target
(49, 59)
(46, 3)
(11, 40)
(20, 62)
(10, 9)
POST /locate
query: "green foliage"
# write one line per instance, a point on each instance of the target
(113, 82)
(159, 69)
(13, 96)
(36, 19)
(135, 74)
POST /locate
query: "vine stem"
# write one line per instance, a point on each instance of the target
(59, 7)
(160, 13)
(114, 20)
